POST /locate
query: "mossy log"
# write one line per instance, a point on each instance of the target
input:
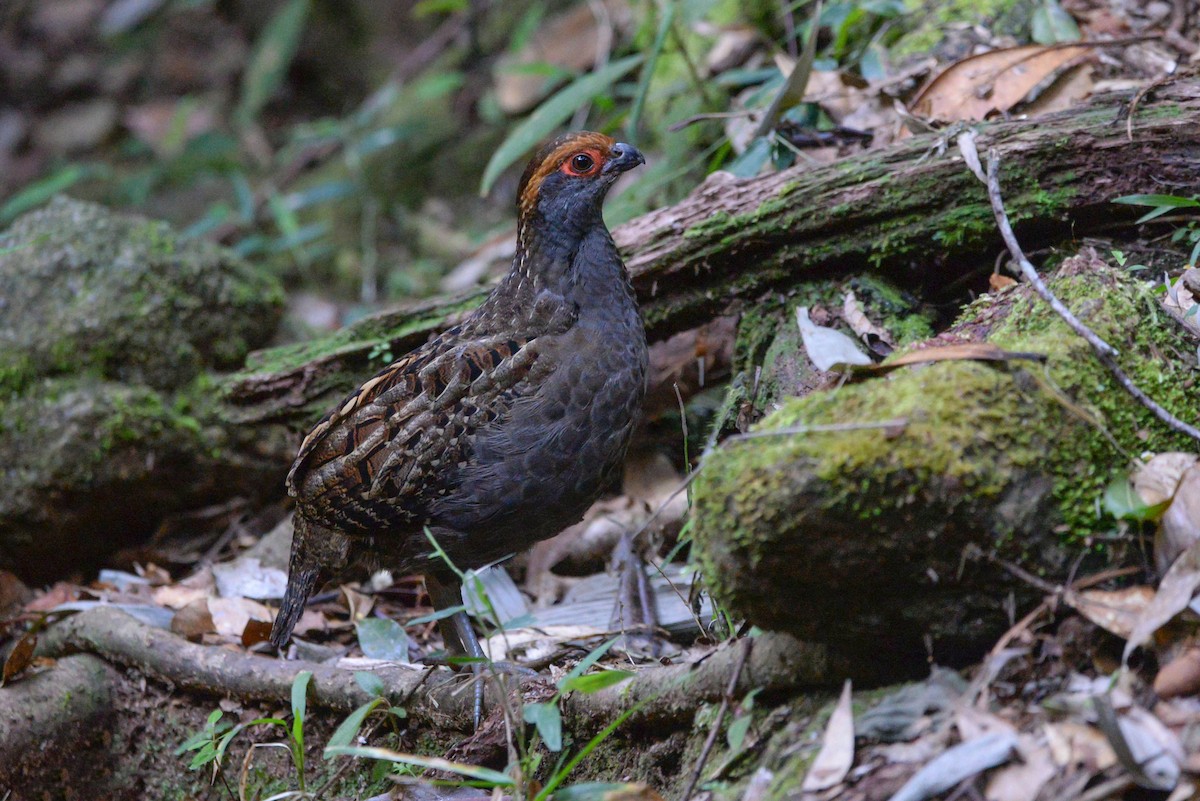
(911, 212)
(873, 539)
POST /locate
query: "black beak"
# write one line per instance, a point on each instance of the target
(623, 157)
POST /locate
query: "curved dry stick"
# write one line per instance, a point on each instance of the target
(1104, 352)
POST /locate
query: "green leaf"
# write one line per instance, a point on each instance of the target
(371, 684)
(1051, 24)
(591, 791)
(432, 763)
(551, 114)
(440, 614)
(751, 162)
(1162, 204)
(592, 658)
(40, 191)
(1122, 501)
(299, 703)
(382, 638)
(1173, 201)
(548, 721)
(736, 734)
(426, 8)
(273, 53)
(348, 729)
(594, 682)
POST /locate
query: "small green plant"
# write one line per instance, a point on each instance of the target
(1160, 205)
(212, 742)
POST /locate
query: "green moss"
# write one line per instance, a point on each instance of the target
(930, 21)
(993, 455)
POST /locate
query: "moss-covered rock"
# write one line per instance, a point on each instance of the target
(111, 330)
(124, 298)
(864, 538)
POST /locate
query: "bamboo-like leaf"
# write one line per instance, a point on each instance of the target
(273, 53)
(432, 763)
(551, 114)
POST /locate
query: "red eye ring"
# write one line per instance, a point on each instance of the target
(582, 164)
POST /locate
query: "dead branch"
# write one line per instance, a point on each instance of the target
(1104, 352)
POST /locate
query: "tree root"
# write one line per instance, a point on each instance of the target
(668, 695)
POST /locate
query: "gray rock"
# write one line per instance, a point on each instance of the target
(111, 333)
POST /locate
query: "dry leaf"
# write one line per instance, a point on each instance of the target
(177, 596)
(826, 347)
(193, 621)
(967, 351)
(1079, 745)
(837, 751)
(230, 615)
(1070, 87)
(1022, 781)
(958, 764)
(1174, 593)
(1156, 482)
(1179, 527)
(1181, 298)
(1116, 611)
(860, 324)
(256, 631)
(20, 657)
(992, 82)
(998, 282)
(1180, 676)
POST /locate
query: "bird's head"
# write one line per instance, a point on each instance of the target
(567, 179)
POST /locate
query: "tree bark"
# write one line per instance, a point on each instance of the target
(910, 212)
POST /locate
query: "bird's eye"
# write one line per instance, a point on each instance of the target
(582, 162)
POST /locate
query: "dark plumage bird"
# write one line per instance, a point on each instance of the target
(502, 430)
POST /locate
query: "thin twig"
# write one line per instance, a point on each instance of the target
(716, 727)
(1104, 352)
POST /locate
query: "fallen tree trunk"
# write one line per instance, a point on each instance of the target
(911, 212)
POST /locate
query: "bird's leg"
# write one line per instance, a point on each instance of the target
(445, 591)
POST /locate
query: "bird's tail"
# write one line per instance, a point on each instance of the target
(315, 553)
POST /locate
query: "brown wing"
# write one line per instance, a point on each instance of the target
(381, 455)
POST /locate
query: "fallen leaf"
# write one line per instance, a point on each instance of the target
(246, 577)
(1180, 676)
(1157, 481)
(837, 751)
(177, 596)
(1174, 593)
(966, 351)
(826, 347)
(193, 621)
(256, 631)
(20, 657)
(1067, 89)
(1156, 751)
(1078, 745)
(998, 282)
(958, 764)
(860, 324)
(1022, 781)
(1179, 527)
(992, 82)
(230, 615)
(1116, 611)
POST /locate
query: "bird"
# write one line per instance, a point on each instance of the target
(497, 433)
